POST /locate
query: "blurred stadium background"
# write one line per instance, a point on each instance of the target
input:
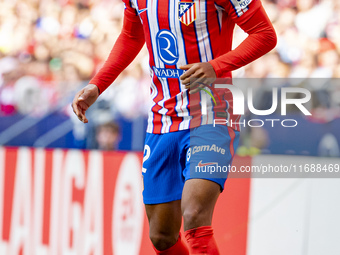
(49, 49)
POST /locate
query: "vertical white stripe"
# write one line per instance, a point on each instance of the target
(204, 110)
(210, 105)
(186, 122)
(56, 198)
(182, 99)
(205, 51)
(207, 103)
(203, 104)
(134, 4)
(38, 198)
(179, 105)
(219, 14)
(173, 19)
(153, 25)
(193, 12)
(151, 114)
(202, 32)
(200, 38)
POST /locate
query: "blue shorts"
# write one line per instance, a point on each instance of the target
(205, 152)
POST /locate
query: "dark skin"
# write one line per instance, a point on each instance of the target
(197, 75)
(196, 205)
(83, 100)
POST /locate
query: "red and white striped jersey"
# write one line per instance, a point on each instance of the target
(180, 32)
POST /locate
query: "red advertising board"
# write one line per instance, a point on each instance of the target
(56, 202)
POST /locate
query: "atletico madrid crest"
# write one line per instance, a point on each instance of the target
(187, 12)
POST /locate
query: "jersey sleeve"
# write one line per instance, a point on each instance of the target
(253, 19)
(239, 10)
(130, 10)
(124, 51)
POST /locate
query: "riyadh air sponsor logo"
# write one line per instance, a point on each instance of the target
(167, 73)
(168, 53)
(212, 147)
(167, 47)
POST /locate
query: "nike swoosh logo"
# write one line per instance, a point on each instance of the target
(142, 10)
(200, 164)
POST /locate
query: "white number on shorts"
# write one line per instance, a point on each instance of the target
(147, 152)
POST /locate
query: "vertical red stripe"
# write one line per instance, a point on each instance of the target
(32, 154)
(186, 17)
(193, 56)
(111, 165)
(11, 155)
(47, 196)
(232, 138)
(230, 219)
(213, 28)
(157, 120)
(174, 85)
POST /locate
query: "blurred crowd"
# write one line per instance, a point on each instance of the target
(308, 40)
(49, 48)
(308, 47)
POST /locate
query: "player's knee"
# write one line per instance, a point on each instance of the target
(194, 217)
(163, 241)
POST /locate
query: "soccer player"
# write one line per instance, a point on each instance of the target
(187, 41)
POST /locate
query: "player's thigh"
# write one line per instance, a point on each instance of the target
(162, 170)
(165, 218)
(198, 201)
(211, 153)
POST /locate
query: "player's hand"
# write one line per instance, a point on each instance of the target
(197, 76)
(83, 100)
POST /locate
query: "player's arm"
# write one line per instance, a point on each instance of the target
(124, 51)
(262, 38)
